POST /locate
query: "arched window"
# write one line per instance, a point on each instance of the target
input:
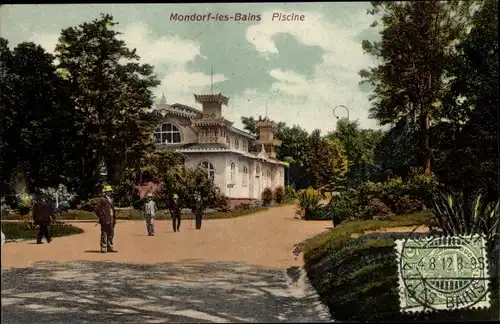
(236, 144)
(244, 179)
(228, 141)
(167, 133)
(209, 168)
(233, 171)
(245, 146)
(257, 171)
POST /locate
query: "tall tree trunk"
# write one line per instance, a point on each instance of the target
(425, 124)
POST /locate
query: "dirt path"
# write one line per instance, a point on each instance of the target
(232, 270)
(265, 239)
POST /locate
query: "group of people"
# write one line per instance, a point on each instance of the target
(44, 214)
(106, 213)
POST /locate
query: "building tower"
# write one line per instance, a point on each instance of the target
(211, 126)
(266, 141)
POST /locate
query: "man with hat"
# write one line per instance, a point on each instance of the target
(149, 214)
(105, 211)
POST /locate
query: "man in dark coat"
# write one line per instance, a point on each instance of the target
(175, 211)
(105, 211)
(198, 210)
(43, 214)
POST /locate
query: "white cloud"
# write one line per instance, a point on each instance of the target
(167, 53)
(47, 41)
(172, 50)
(170, 53)
(309, 101)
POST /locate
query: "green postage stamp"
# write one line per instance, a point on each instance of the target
(440, 273)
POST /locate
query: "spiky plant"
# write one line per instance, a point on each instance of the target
(458, 215)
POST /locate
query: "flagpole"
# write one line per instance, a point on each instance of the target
(212, 80)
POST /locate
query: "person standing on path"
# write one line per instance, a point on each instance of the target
(149, 214)
(198, 210)
(43, 214)
(175, 211)
(105, 211)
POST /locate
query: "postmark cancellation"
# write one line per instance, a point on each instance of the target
(442, 273)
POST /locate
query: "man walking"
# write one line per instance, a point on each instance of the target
(105, 211)
(175, 211)
(149, 214)
(43, 214)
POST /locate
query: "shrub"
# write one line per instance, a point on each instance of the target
(376, 209)
(290, 193)
(244, 206)
(279, 194)
(309, 203)
(345, 206)
(406, 204)
(221, 202)
(88, 204)
(78, 214)
(267, 196)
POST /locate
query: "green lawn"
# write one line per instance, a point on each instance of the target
(133, 214)
(25, 231)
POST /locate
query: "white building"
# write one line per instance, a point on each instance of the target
(209, 140)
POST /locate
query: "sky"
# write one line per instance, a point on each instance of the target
(301, 69)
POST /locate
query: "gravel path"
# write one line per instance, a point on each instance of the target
(232, 270)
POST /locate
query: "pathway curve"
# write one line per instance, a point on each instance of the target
(232, 270)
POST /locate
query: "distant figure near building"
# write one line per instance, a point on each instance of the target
(3, 238)
(43, 214)
(149, 214)
(105, 211)
(198, 210)
(175, 210)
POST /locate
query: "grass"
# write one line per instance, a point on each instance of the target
(133, 214)
(25, 231)
(321, 243)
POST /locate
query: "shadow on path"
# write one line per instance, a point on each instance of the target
(100, 292)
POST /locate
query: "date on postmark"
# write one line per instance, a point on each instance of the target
(442, 273)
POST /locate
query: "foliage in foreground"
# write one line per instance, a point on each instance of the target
(357, 277)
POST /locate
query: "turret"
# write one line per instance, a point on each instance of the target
(267, 142)
(211, 127)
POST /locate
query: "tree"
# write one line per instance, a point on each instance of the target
(185, 182)
(395, 154)
(112, 95)
(472, 106)
(326, 162)
(37, 121)
(417, 45)
(359, 144)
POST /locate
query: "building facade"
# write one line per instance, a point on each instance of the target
(241, 165)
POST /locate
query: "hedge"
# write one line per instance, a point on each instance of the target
(357, 278)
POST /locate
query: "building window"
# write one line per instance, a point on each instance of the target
(245, 146)
(209, 168)
(167, 133)
(268, 178)
(236, 144)
(233, 171)
(228, 141)
(245, 177)
(273, 175)
(257, 171)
